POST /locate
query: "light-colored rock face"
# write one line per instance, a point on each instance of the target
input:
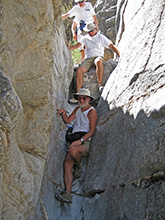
(36, 60)
(123, 176)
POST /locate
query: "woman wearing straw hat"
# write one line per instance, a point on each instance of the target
(85, 121)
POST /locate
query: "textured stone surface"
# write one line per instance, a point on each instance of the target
(106, 15)
(37, 65)
(123, 176)
(131, 120)
(11, 170)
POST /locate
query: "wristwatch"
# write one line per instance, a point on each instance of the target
(82, 140)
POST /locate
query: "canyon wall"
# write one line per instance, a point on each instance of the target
(36, 71)
(123, 176)
(126, 169)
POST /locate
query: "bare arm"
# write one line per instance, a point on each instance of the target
(74, 30)
(65, 16)
(74, 47)
(95, 21)
(114, 49)
(66, 118)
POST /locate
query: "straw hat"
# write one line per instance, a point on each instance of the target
(84, 92)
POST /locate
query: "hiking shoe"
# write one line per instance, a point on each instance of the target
(78, 169)
(101, 87)
(73, 101)
(64, 197)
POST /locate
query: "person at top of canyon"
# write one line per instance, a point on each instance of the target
(83, 13)
(94, 42)
(84, 127)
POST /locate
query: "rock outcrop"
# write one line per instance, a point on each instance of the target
(36, 73)
(126, 164)
(124, 175)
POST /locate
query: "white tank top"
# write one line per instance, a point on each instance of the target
(81, 121)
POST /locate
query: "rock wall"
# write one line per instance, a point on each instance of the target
(36, 71)
(106, 14)
(126, 169)
(123, 177)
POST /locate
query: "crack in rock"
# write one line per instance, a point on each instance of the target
(148, 181)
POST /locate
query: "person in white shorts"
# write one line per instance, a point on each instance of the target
(85, 121)
(83, 13)
(94, 42)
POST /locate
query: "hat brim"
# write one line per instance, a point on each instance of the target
(88, 30)
(75, 95)
(77, 1)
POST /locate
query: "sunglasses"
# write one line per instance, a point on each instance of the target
(91, 31)
(83, 98)
(81, 1)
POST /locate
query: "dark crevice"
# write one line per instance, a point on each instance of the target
(135, 77)
(93, 193)
(145, 183)
(161, 65)
(123, 23)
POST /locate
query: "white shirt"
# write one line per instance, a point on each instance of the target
(84, 13)
(94, 46)
(82, 121)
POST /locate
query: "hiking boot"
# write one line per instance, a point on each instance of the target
(73, 101)
(78, 169)
(64, 197)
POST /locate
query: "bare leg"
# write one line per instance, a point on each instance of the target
(75, 154)
(99, 70)
(68, 176)
(78, 152)
(82, 55)
(80, 81)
